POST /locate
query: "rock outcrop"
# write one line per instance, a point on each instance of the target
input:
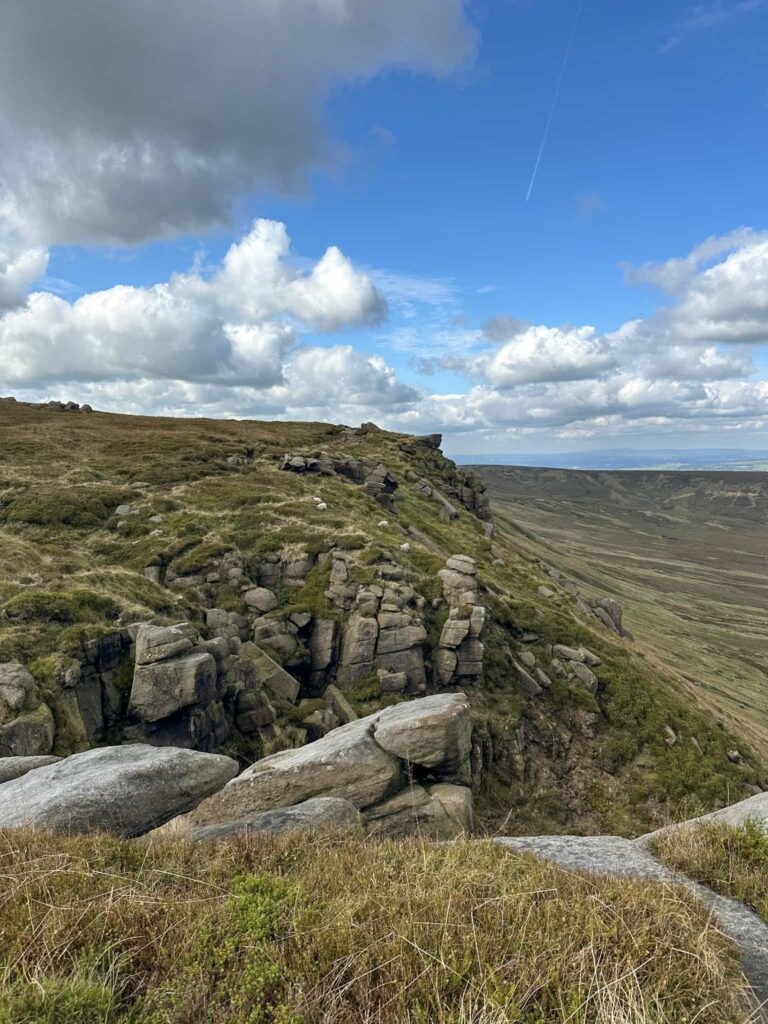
(125, 790)
(401, 754)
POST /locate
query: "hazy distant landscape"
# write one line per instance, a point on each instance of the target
(728, 459)
(685, 552)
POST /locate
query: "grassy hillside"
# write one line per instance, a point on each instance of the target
(71, 570)
(685, 553)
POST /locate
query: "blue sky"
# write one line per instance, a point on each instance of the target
(408, 144)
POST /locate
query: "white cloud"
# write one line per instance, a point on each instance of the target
(675, 274)
(235, 326)
(20, 266)
(549, 354)
(226, 340)
(138, 119)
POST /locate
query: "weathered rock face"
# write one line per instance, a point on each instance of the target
(16, 685)
(433, 732)
(373, 763)
(161, 689)
(323, 812)
(412, 811)
(15, 767)
(459, 657)
(125, 790)
(159, 643)
(269, 674)
(381, 485)
(358, 649)
(29, 734)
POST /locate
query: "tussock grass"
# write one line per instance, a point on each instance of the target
(333, 930)
(731, 860)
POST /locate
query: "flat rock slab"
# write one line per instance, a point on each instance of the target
(125, 790)
(626, 858)
(312, 815)
(14, 767)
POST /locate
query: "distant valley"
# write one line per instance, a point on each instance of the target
(686, 553)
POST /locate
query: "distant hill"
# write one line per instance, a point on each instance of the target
(731, 459)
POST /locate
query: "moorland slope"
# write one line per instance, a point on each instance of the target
(686, 554)
(324, 572)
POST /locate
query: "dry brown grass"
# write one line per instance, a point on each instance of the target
(334, 930)
(731, 860)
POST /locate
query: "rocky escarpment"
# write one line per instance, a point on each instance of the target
(250, 590)
(401, 771)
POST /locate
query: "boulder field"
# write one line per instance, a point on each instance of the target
(403, 770)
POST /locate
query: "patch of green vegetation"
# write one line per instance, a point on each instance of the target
(72, 999)
(78, 605)
(365, 692)
(79, 507)
(311, 598)
(199, 557)
(564, 695)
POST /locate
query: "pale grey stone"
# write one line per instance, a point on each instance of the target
(585, 676)
(347, 763)
(260, 598)
(269, 673)
(161, 689)
(158, 643)
(433, 732)
(28, 735)
(463, 564)
(125, 790)
(454, 632)
(16, 685)
(322, 813)
(15, 767)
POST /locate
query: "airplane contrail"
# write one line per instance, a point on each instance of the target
(555, 98)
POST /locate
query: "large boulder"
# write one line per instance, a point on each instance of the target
(125, 790)
(347, 763)
(164, 687)
(754, 808)
(14, 767)
(28, 735)
(323, 812)
(433, 732)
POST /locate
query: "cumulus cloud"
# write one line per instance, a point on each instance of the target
(136, 120)
(239, 326)
(550, 354)
(241, 339)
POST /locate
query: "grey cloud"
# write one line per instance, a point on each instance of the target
(121, 122)
(503, 327)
